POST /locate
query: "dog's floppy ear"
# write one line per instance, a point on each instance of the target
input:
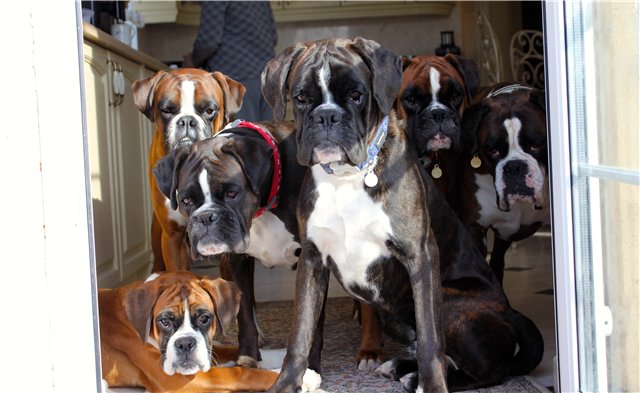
(166, 172)
(386, 69)
(275, 78)
(143, 91)
(138, 306)
(233, 94)
(250, 154)
(468, 69)
(537, 98)
(471, 120)
(226, 299)
(406, 62)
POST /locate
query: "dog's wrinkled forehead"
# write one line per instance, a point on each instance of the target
(208, 155)
(173, 299)
(325, 62)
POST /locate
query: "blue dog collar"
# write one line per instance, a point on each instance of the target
(372, 150)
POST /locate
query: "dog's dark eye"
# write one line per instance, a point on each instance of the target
(210, 112)
(301, 99)
(355, 96)
(187, 201)
(410, 100)
(231, 194)
(203, 320)
(455, 99)
(167, 110)
(494, 153)
(535, 149)
(164, 322)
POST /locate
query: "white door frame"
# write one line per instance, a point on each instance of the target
(47, 286)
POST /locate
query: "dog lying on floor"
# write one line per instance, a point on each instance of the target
(159, 334)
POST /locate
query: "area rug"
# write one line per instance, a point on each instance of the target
(341, 341)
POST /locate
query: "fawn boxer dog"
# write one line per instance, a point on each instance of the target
(362, 209)
(508, 191)
(186, 105)
(159, 334)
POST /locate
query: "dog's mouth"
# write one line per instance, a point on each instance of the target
(187, 367)
(536, 200)
(327, 153)
(439, 142)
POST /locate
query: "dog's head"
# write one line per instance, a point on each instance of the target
(188, 104)
(435, 91)
(508, 132)
(181, 314)
(340, 91)
(218, 184)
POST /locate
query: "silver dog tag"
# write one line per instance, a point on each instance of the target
(371, 180)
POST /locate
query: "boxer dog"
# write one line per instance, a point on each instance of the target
(238, 192)
(480, 327)
(362, 209)
(507, 133)
(186, 105)
(159, 334)
(435, 91)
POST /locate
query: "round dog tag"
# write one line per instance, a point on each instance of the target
(436, 172)
(475, 162)
(371, 180)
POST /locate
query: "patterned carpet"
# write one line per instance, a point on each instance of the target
(342, 334)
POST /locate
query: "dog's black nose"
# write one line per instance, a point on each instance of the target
(326, 116)
(207, 217)
(185, 344)
(438, 115)
(515, 168)
(190, 126)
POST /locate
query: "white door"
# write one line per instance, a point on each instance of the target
(594, 125)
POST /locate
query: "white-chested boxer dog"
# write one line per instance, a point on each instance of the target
(238, 192)
(159, 334)
(435, 92)
(186, 105)
(507, 133)
(362, 209)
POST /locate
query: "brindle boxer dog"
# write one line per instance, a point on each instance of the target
(159, 334)
(509, 192)
(186, 105)
(362, 209)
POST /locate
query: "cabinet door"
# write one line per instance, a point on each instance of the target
(131, 160)
(98, 92)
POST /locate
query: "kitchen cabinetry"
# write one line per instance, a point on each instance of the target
(119, 137)
(188, 12)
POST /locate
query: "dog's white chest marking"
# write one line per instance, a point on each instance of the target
(271, 242)
(505, 223)
(347, 225)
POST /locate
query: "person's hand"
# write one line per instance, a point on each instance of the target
(187, 61)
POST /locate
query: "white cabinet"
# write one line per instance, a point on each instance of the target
(119, 138)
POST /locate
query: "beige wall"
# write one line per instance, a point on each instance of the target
(616, 42)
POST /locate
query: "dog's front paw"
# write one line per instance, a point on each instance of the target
(311, 381)
(368, 360)
(410, 383)
(247, 361)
